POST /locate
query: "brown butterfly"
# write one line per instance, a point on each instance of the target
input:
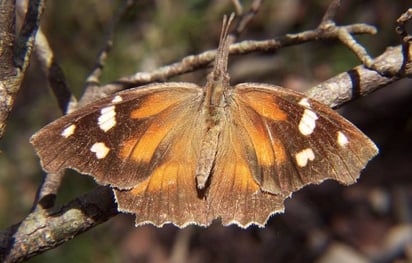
(182, 154)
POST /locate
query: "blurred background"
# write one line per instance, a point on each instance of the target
(369, 221)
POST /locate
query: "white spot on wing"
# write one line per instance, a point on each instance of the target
(117, 99)
(304, 156)
(107, 119)
(304, 102)
(308, 122)
(67, 132)
(342, 139)
(100, 149)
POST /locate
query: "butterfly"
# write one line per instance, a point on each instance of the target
(184, 154)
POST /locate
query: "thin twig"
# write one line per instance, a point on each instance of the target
(192, 62)
(54, 73)
(330, 12)
(349, 41)
(48, 189)
(93, 80)
(245, 18)
(326, 30)
(345, 36)
(95, 74)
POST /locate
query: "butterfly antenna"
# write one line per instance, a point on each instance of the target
(222, 55)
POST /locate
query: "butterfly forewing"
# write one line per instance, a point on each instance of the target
(298, 141)
(117, 139)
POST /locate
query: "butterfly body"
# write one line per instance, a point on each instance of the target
(183, 154)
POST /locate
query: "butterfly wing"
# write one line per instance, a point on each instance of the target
(122, 139)
(234, 195)
(297, 141)
(170, 193)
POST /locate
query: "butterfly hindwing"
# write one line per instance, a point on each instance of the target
(170, 193)
(234, 195)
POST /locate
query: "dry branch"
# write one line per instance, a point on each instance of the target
(193, 62)
(54, 73)
(15, 52)
(45, 229)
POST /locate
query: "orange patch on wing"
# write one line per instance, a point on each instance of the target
(264, 104)
(156, 103)
(163, 175)
(142, 149)
(232, 178)
(243, 180)
(260, 140)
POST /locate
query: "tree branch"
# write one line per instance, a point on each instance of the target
(45, 229)
(16, 53)
(193, 62)
(7, 71)
(94, 77)
(54, 73)
(245, 18)
(358, 81)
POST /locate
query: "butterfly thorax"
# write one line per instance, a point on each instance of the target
(216, 95)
